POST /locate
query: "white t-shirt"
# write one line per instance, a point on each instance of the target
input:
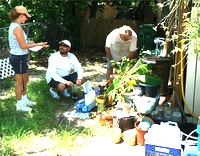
(59, 66)
(118, 47)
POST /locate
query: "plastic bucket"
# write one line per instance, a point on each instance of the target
(150, 90)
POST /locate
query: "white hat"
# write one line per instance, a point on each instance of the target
(66, 42)
(123, 29)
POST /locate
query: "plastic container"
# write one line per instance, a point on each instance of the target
(198, 131)
(74, 92)
(81, 107)
(158, 114)
(155, 150)
(159, 41)
(160, 109)
(176, 115)
(150, 90)
(143, 104)
(191, 151)
(163, 139)
(146, 37)
(168, 114)
(89, 94)
(187, 128)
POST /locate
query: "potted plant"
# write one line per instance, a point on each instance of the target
(129, 74)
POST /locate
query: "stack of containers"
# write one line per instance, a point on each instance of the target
(88, 102)
(163, 139)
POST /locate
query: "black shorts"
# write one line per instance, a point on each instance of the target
(71, 77)
(19, 63)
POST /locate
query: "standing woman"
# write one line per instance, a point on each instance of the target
(19, 54)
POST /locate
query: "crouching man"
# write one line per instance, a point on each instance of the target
(60, 64)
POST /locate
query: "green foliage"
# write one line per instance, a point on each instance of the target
(192, 31)
(51, 21)
(126, 79)
(7, 83)
(189, 37)
(41, 54)
(150, 78)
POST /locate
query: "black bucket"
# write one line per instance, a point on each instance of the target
(187, 128)
(150, 90)
(127, 123)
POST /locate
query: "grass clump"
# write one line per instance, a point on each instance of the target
(37, 131)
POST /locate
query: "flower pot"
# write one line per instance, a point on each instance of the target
(101, 102)
(150, 89)
(115, 134)
(126, 123)
(129, 136)
(141, 132)
(100, 99)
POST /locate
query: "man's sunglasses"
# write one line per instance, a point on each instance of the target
(64, 45)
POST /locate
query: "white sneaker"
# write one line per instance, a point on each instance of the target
(29, 103)
(23, 108)
(54, 94)
(64, 92)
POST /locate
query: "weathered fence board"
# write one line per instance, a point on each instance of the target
(93, 32)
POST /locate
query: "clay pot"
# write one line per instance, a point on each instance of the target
(115, 134)
(139, 132)
(129, 136)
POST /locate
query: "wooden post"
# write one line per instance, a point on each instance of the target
(177, 96)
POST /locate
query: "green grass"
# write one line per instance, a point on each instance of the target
(18, 130)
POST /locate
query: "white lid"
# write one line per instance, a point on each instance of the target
(87, 87)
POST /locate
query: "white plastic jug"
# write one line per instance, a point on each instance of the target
(90, 97)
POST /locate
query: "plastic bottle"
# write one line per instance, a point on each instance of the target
(74, 92)
(176, 116)
(167, 113)
(198, 131)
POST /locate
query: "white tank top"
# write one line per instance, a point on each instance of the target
(15, 48)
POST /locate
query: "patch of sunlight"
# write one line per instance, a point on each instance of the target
(34, 79)
(41, 68)
(7, 95)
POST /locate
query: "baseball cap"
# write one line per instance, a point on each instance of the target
(65, 42)
(22, 10)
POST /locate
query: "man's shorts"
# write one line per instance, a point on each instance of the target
(19, 63)
(71, 77)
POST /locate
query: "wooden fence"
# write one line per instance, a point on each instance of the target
(93, 32)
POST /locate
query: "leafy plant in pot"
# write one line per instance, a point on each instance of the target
(129, 74)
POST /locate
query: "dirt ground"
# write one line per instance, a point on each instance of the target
(93, 61)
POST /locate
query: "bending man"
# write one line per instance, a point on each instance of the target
(120, 42)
